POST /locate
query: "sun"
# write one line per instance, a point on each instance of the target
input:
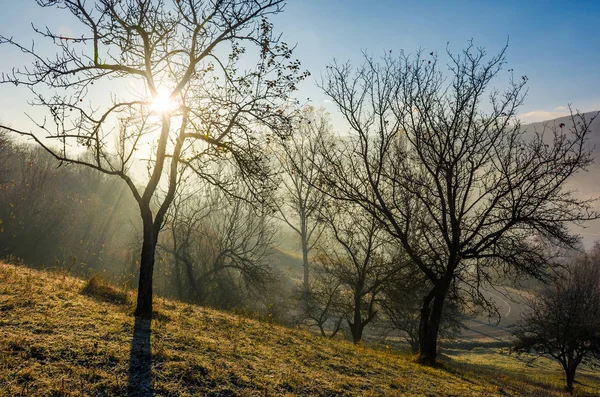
(163, 103)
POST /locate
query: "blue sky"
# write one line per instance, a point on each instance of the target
(555, 43)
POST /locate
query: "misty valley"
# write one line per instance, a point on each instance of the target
(236, 198)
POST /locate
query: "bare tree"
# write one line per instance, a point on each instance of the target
(402, 302)
(300, 162)
(355, 256)
(323, 306)
(564, 319)
(190, 95)
(459, 185)
(216, 240)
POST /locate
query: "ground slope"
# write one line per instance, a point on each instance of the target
(57, 341)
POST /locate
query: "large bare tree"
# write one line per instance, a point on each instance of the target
(441, 160)
(206, 80)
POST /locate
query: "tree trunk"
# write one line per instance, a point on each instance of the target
(304, 242)
(356, 328)
(570, 379)
(424, 322)
(144, 298)
(322, 329)
(570, 374)
(414, 344)
(178, 279)
(429, 327)
(305, 265)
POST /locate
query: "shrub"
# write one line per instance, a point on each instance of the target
(98, 288)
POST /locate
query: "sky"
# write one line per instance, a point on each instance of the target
(555, 43)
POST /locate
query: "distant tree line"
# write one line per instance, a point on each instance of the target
(62, 216)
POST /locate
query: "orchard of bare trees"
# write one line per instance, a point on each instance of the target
(429, 193)
(458, 187)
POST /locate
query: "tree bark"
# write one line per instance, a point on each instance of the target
(356, 328)
(144, 298)
(430, 326)
(304, 242)
(570, 379)
(305, 264)
(570, 367)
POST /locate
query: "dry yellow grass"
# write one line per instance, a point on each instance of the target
(542, 377)
(56, 341)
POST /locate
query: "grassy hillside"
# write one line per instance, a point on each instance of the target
(58, 338)
(288, 262)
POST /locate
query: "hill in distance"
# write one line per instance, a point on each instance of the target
(586, 184)
(62, 337)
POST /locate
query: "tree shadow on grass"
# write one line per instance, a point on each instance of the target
(140, 360)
